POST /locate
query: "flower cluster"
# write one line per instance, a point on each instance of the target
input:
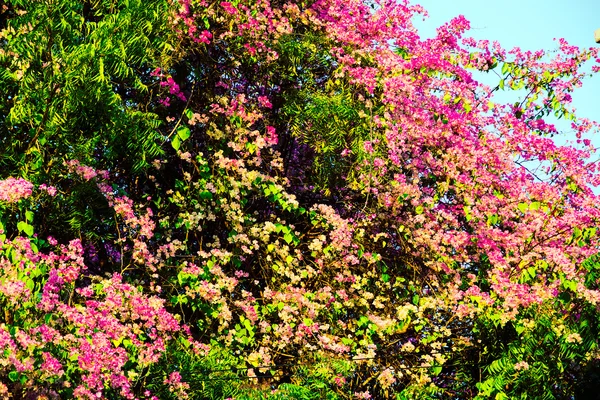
(14, 189)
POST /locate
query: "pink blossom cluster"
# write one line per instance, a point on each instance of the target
(14, 189)
(84, 171)
(99, 329)
(191, 29)
(440, 219)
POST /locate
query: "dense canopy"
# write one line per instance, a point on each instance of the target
(304, 199)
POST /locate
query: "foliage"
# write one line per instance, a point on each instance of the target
(268, 199)
(77, 85)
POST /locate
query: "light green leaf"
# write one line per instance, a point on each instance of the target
(23, 226)
(523, 207)
(176, 143)
(184, 133)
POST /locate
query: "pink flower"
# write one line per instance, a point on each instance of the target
(174, 378)
(12, 190)
(185, 156)
(340, 380)
(51, 190)
(264, 102)
(521, 365)
(272, 138)
(83, 171)
(205, 37)
(228, 7)
(51, 365)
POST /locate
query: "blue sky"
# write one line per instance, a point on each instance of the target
(529, 24)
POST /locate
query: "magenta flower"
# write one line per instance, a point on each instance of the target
(228, 7)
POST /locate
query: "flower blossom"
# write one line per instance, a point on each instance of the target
(12, 190)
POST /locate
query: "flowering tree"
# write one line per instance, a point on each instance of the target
(319, 199)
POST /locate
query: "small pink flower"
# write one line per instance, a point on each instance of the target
(264, 102)
(51, 365)
(272, 138)
(521, 365)
(340, 381)
(205, 37)
(185, 156)
(228, 7)
(12, 190)
(378, 162)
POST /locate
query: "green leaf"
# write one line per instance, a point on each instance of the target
(415, 299)
(240, 333)
(206, 195)
(467, 211)
(176, 143)
(568, 284)
(23, 226)
(13, 376)
(467, 106)
(347, 341)
(288, 238)
(519, 328)
(184, 133)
